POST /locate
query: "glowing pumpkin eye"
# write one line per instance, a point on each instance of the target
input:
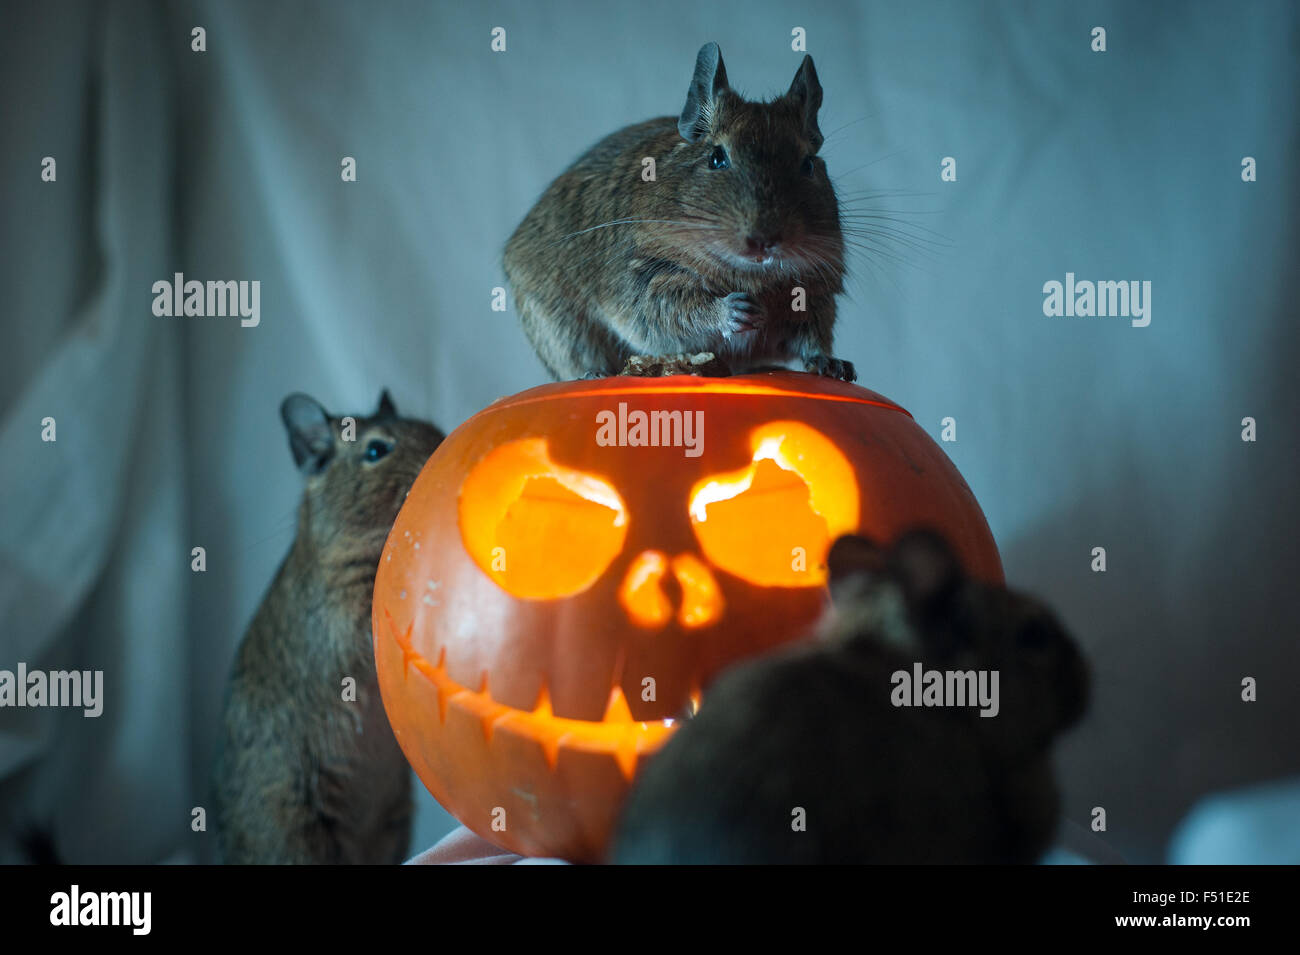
(537, 528)
(772, 522)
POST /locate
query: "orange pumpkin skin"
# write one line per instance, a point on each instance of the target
(525, 711)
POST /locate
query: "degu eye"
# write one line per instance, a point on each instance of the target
(809, 166)
(376, 449)
(718, 159)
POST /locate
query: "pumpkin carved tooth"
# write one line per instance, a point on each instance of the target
(617, 711)
(543, 715)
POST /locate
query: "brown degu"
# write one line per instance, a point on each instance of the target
(717, 231)
(308, 771)
(830, 752)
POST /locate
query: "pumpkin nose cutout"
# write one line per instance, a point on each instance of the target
(702, 601)
(642, 594)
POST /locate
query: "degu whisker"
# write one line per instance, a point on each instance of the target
(842, 175)
(629, 221)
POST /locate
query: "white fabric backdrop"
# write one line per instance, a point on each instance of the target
(1072, 433)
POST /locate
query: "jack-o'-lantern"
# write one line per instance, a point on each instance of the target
(575, 564)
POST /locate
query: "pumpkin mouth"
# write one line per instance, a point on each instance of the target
(617, 735)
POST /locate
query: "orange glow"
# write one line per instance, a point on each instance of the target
(540, 530)
(694, 386)
(702, 602)
(772, 521)
(619, 736)
(641, 592)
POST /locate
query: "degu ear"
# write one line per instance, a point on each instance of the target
(709, 82)
(853, 561)
(386, 407)
(926, 566)
(311, 436)
(806, 93)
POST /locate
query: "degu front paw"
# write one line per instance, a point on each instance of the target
(741, 313)
(829, 367)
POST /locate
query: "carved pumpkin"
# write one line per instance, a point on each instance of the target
(557, 590)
